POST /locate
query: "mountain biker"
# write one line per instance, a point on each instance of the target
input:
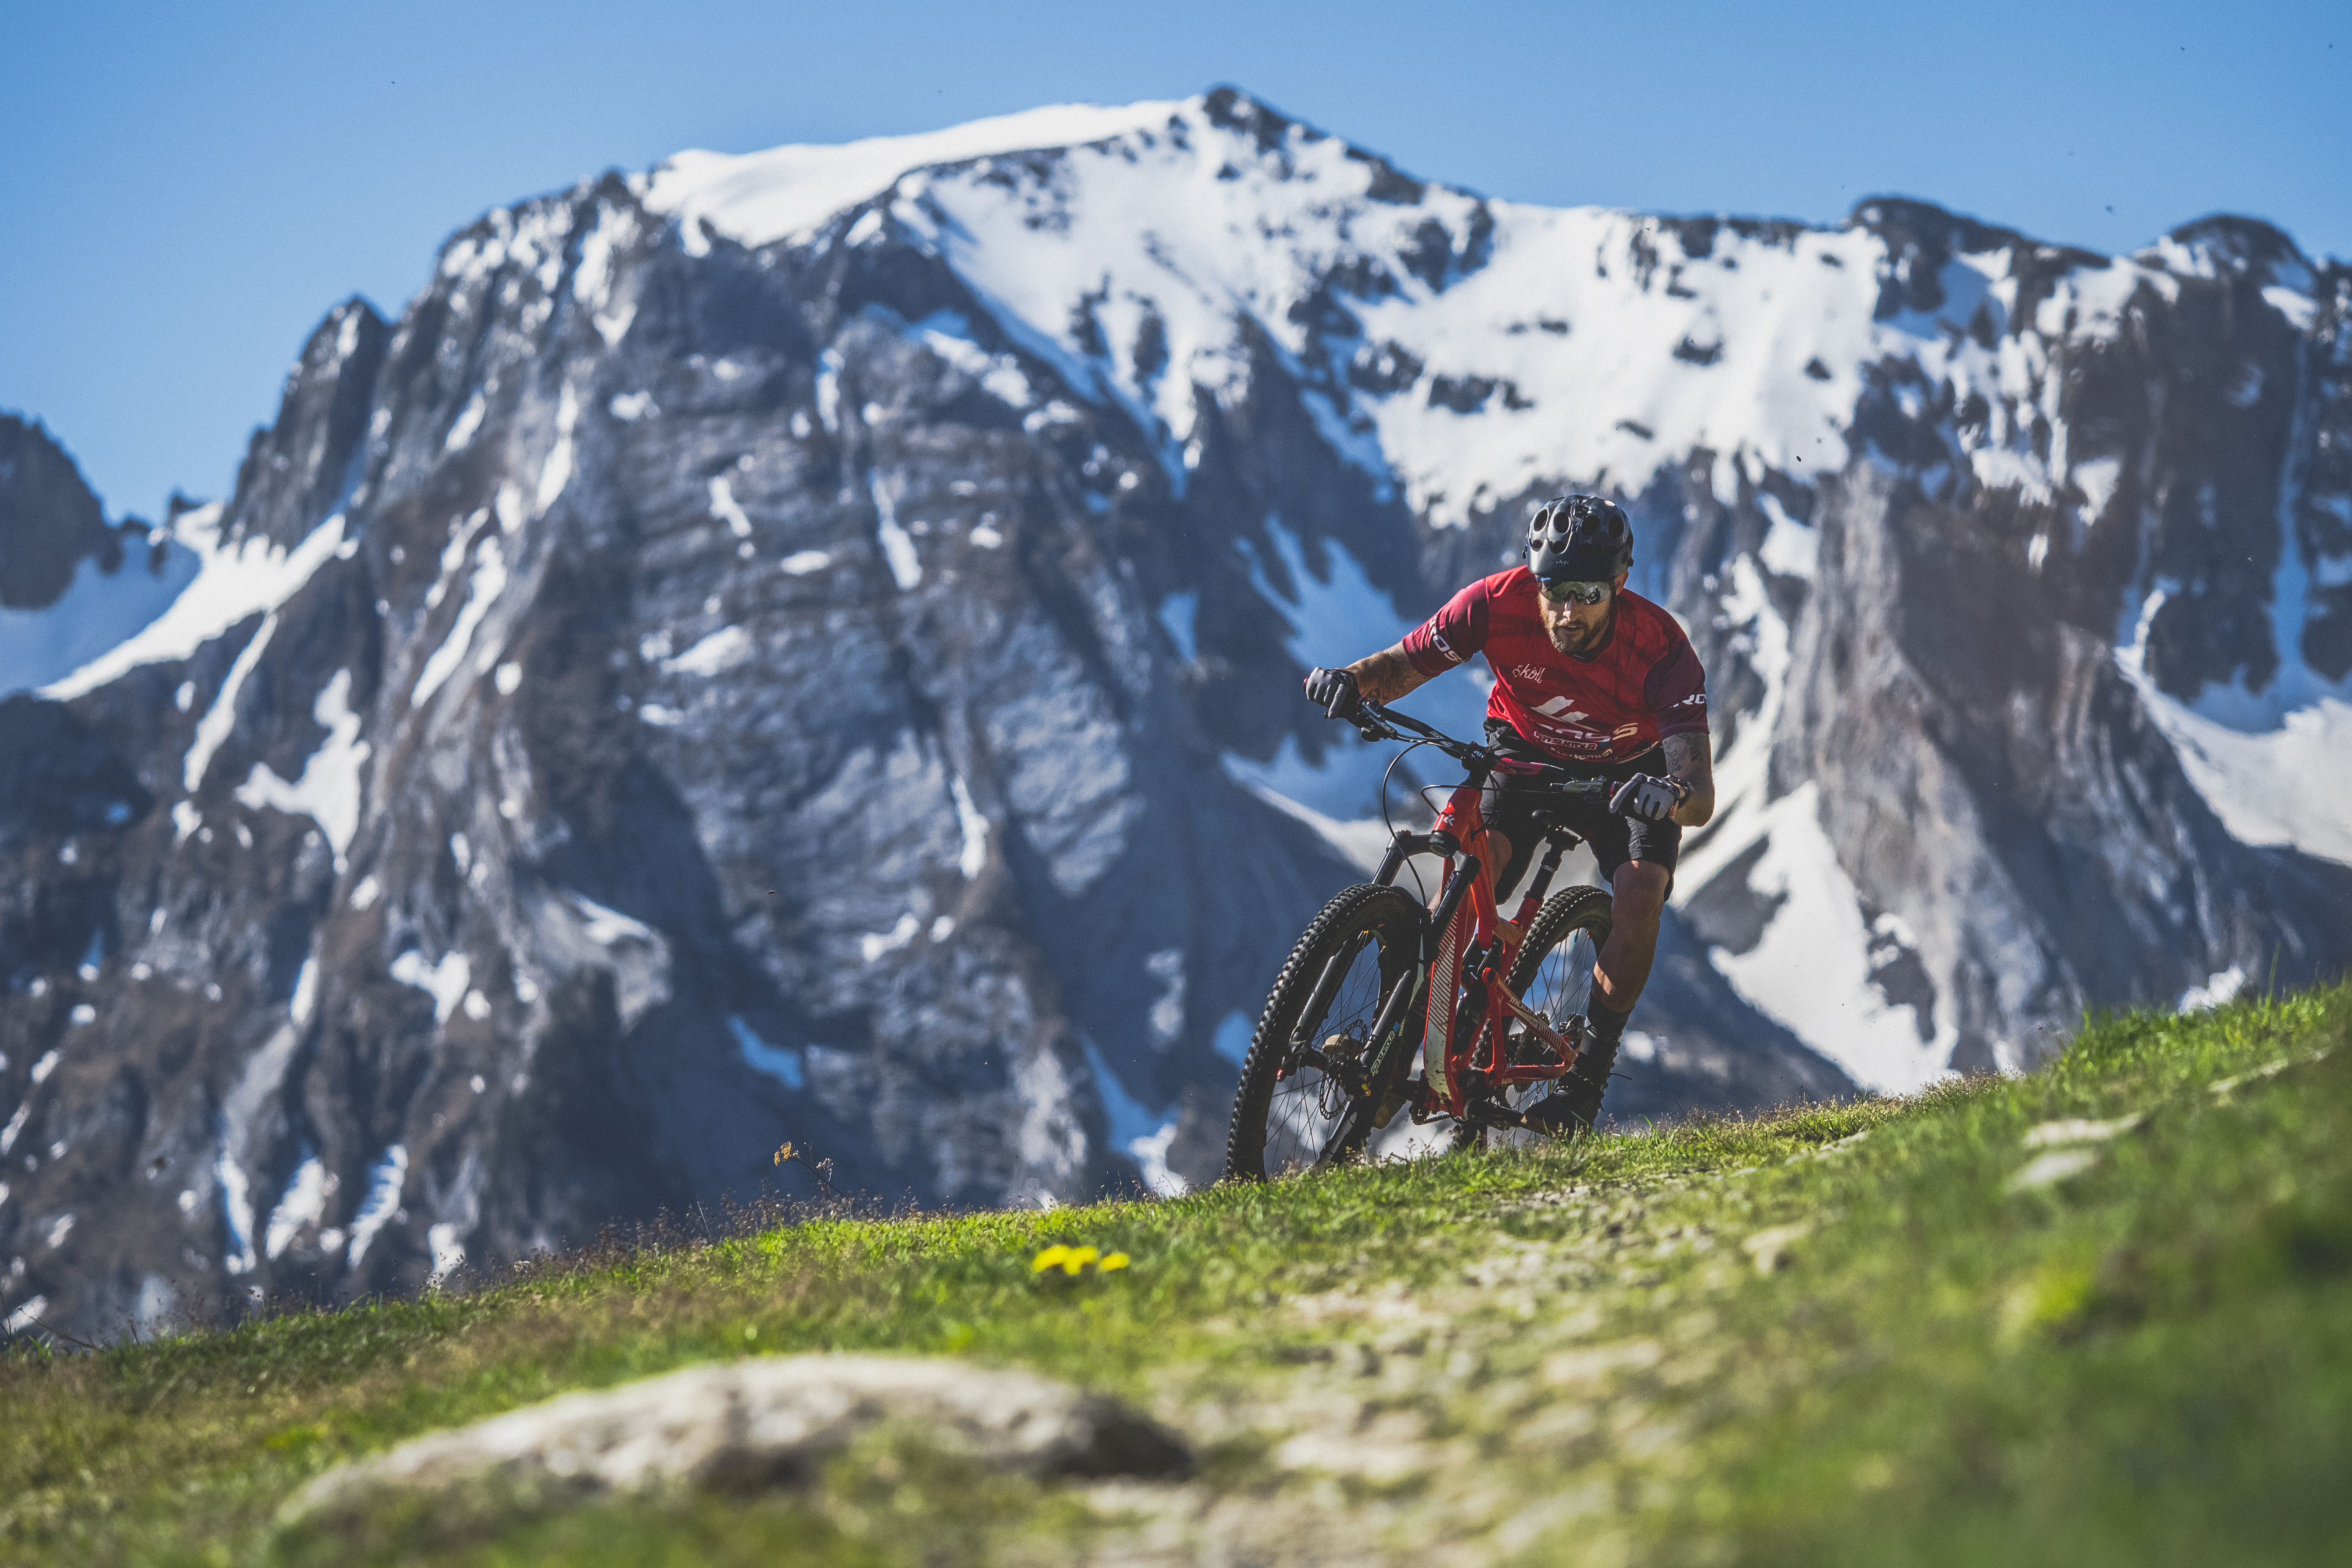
(1588, 677)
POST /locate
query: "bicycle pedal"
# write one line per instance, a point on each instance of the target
(1490, 1113)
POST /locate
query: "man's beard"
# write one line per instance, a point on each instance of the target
(1570, 637)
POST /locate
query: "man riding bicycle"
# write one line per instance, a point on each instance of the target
(1587, 676)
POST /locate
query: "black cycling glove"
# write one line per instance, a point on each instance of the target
(1334, 691)
(1647, 796)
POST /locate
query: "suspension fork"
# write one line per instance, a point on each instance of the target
(1388, 1032)
(1319, 999)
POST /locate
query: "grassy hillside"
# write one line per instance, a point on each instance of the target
(1907, 1330)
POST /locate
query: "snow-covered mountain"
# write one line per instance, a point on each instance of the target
(804, 645)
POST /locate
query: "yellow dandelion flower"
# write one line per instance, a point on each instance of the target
(1049, 1259)
(1116, 1260)
(1080, 1257)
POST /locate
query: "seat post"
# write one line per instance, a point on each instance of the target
(1556, 842)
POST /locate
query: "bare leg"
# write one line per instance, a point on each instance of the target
(1638, 896)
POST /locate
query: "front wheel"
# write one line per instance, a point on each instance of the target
(1303, 1102)
(1553, 976)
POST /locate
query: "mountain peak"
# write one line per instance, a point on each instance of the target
(49, 518)
(2232, 242)
(760, 198)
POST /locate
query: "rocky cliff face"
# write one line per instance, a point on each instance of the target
(804, 647)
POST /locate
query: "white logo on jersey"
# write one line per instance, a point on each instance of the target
(1526, 672)
(1559, 708)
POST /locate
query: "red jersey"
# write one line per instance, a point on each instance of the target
(1641, 685)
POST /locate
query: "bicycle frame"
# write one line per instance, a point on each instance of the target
(1465, 920)
(1461, 952)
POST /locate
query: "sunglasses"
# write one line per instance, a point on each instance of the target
(1581, 593)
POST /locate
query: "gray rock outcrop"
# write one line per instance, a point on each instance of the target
(769, 1422)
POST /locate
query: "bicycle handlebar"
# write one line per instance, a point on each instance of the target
(1376, 722)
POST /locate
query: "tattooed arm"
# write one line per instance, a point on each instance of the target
(1688, 759)
(1387, 674)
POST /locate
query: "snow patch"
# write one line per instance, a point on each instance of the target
(1145, 1134)
(230, 583)
(758, 198)
(724, 507)
(385, 1179)
(1166, 967)
(97, 612)
(240, 1117)
(2220, 987)
(605, 927)
(897, 544)
(972, 859)
(1810, 968)
(1362, 842)
(469, 419)
(1333, 619)
(328, 789)
(2277, 785)
(220, 719)
(306, 991)
(303, 1203)
(722, 650)
(1790, 549)
(949, 336)
(488, 580)
(446, 982)
(236, 1208)
(556, 472)
(876, 944)
(448, 1253)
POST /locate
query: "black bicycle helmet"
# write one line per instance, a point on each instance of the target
(1579, 539)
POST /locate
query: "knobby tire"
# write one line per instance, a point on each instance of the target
(1306, 1115)
(1553, 975)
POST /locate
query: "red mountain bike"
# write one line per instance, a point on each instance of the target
(1491, 1010)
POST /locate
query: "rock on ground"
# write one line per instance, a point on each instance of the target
(770, 1422)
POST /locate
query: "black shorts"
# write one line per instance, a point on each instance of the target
(1521, 816)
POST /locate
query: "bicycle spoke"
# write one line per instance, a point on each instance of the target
(1302, 1101)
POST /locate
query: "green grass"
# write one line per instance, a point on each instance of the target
(1566, 1354)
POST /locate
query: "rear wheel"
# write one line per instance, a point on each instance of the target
(1304, 1101)
(1553, 976)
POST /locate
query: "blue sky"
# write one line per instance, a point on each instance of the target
(188, 188)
